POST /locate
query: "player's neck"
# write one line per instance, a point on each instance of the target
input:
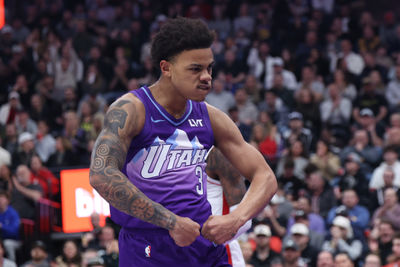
(167, 97)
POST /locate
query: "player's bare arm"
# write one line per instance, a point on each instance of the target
(231, 180)
(108, 158)
(249, 163)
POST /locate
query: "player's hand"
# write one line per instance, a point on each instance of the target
(220, 229)
(185, 231)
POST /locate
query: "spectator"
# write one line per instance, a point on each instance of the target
(346, 88)
(39, 255)
(43, 176)
(8, 111)
(390, 210)
(303, 214)
(24, 123)
(359, 216)
(297, 131)
(10, 141)
(63, 156)
(327, 162)
(390, 159)
(300, 234)
(378, 194)
(308, 105)
(289, 79)
(343, 260)
(291, 254)
(336, 110)
(352, 177)
(372, 260)
(367, 121)
(394, 258)
(262, 254)
(27, 150)
(275, 108)
(325, 259)
(219, 97)
(9, 224)
(385, 238)
(25, 194)
(392, 91)
(45, 142)
(260, 61)
(70, 255)
(247, 110)
(298, 155)
(5, 179)
(353, 61)
(322, 197)
(342, 239)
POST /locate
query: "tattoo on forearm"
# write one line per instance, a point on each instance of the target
(108, 158)
(231, 180)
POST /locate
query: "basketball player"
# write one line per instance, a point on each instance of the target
(225, 189)
(149, 160)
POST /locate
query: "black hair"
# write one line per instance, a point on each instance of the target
(178, 35)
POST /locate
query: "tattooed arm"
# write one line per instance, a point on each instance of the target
(123, 121)
(218, 167)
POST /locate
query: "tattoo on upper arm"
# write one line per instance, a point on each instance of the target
(230, 178)
(108, 158)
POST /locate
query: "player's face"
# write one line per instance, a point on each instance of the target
(190, 73)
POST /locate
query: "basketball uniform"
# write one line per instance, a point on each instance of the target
(166, 161)
(220, 207)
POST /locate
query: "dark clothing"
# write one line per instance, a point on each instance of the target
(256, 262)
(25, 206)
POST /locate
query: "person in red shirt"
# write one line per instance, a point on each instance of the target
(46, 179)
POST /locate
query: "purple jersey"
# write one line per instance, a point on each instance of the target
(166, 161)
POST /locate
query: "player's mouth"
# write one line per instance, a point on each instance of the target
(204, 87)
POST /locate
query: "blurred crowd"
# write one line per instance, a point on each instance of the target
(314, 85)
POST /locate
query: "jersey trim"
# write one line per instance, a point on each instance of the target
(163, 114)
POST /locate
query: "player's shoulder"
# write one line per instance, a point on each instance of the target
(129, 108)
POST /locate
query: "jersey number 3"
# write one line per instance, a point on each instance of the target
(199, 175)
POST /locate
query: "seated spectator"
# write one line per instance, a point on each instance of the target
(244, 129)
(5, 262)
(359, 215)
(26, 151)
(353, 61)
(284, 93)
(289, 182)
(25, 194)
(336, 110)
(8, 111)
(321, 193)
(327, 162)
(9, 222)
(63, 156)
(5, 179)
(309, 80)
(300, 234)
(325, 259)
(368, 122)
(39, 255)
(275, 108)
(248, 112)
(24, 123)
(394, 258)
(10, 141)
(390, 160)
(377, 195)
(289, 79)
(308, 106)
(346, 88)
(304, 215)
(219, 97)
(43, 176)
(342, 239)
(262, 254)
(298, 155)
(372, 260)
(343, 260)
(297, 131)
(390, 210)
(111, 257)
(370, 99)
(353, 178)
(385, 237)
(359, 144)
(392, 91)
(291, 254)
(70, 255)
(45, 142)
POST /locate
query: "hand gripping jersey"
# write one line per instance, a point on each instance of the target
(220, 207)
(166, 161)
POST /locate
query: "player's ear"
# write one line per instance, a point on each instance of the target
(165, 67)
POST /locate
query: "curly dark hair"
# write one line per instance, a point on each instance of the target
(178, 35)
